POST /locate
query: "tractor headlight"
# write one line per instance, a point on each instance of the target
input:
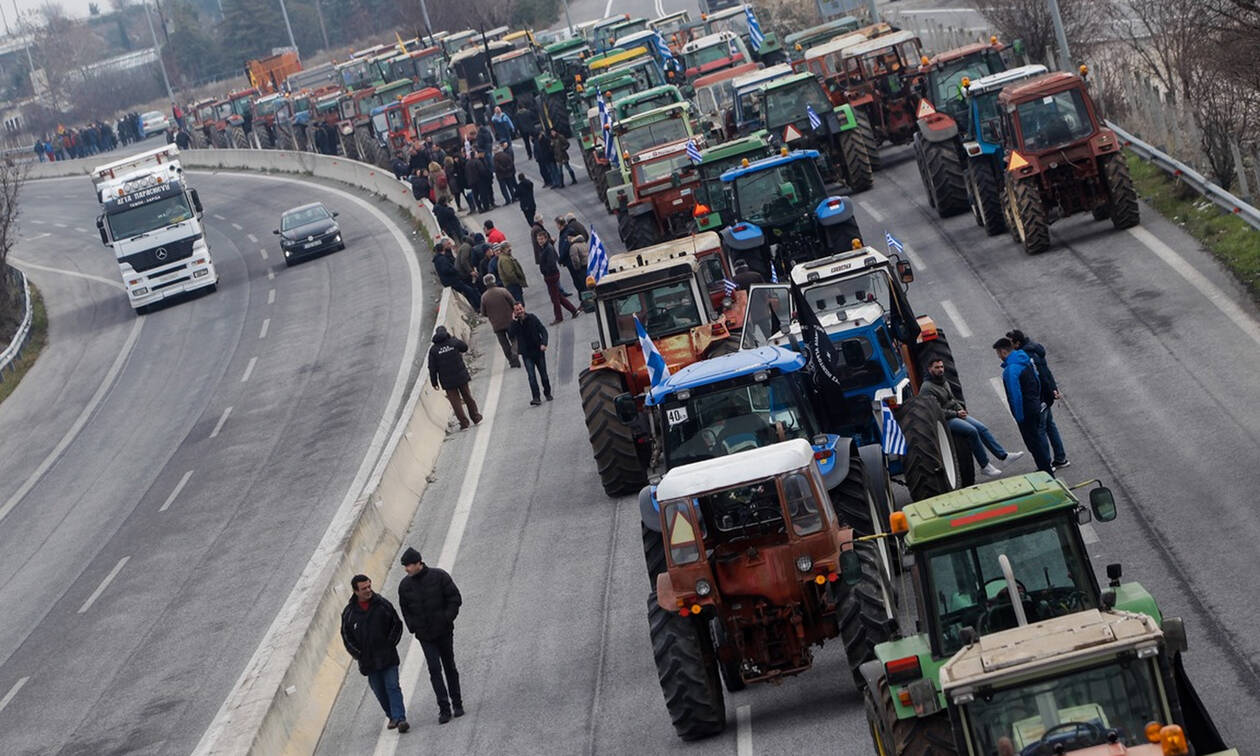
(804, 563)
(703, 588)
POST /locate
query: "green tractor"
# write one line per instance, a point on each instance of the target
(798, 113)
(713, 207)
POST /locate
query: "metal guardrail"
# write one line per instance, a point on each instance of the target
(23, 334)
(1182, 172)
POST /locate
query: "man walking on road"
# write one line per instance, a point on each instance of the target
(1049, 393)
(448, 372)
(497, 304)
(370, 630)
(530, 336)
(505, 172)
(525, 195)
(1023, 394)
(560, 151)
(961, 423)
(511, 274)
(430, 603)
(549, 266)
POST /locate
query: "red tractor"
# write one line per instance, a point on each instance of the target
(664, 183)
(880, 78)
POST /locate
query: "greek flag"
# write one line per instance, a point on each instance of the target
(605, 120)
(597, 257)
(774, 274)
(693, 152)
(814, 121)
(657, 370)
(894, 439)
(729, 286)
(893, 244)
(754, 28)
(662, 48)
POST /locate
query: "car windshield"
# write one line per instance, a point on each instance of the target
(645, 136)
(770, 196)
(1111, 703)
(844, 294)
(657, 170)
(1054, 120)
(516, 70)
(740, 417)
(663, 310)
(643, 104)
(706, 55)
(125, 224)
(295, 218)
(787, 104)
(967, 589)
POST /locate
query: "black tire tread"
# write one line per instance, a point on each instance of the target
(864, 620)
(688, 672)
(849, 499)
(1031, 210)
(867, 135)
(612, 441)
(653, 553)
(915, 736)
(922, 465)
(988, 198)
(855, 153)
(944, 170)
(1123, 208)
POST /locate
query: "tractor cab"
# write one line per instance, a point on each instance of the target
(826, 63)
(356, 74)
(797, 43)
(735, 20)
(1049, 114)
(516, 73)
(881, 77)
(713, 209)
(746, 116)
(944, 75)
(648, 99)
(715, 99)
(714, 52)
(982, 125)
(389, 126)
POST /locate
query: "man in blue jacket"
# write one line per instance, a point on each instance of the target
(1049, 394)
(1023, 394)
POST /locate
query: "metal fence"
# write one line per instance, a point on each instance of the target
(23, 334)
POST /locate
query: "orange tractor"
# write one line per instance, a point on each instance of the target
(880, 79)
(268, 74)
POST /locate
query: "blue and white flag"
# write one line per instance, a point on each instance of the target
(729, 286)
(774, 274)
(814, 121)
(693, 152)
(657, 370)
(894, 439)
(662, 48)
(893, 244)
(605, 122)
(754, 29)
(596, 257)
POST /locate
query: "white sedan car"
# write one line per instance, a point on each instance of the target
(154, 122)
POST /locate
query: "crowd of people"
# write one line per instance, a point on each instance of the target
(69, 143)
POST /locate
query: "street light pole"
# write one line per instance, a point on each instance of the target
(1065, 57)
(284, 12)
(158, 49)
(567, 20)
(424, 9)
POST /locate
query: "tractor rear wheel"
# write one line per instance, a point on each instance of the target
(1123, 206)
(611, 440)
(986, 199)
(852, 502)
(866, 134)
(349, 147)
(915, 736)
(239, 140)
(1029, 212)
(687, 668)
(944, 171)
(865, 612)
(923, 175)
(366, 146)
(857, 161)
(637, 231)
(928, 464)
(938, 349)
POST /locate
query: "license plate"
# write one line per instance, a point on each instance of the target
(169, 276)
(309, 245)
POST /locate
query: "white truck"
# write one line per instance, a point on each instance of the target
(152, 220)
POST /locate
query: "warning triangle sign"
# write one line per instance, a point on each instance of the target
(1017, 161)
(925, 109)
(791, 134)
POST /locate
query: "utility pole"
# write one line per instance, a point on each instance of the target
(158, 49)
(567, 20)
(284, 12)
(319, 13)
(1065, 57)
(424, 10)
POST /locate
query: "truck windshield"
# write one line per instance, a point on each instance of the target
(787, 104)
(1054, 120)
(516, 70)
(645, 136)
(126, 224)
(663, 310)
(966, 587)
(772, 196)
(736, 418)
(1074, 711)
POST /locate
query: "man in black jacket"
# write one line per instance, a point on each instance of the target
(448, 274)
(447, 220)
(448, 372)
(370, 630)
(1049, 394)
(525, 195)
(530, 336)
(430, 603)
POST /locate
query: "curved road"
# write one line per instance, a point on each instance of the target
(163, 479)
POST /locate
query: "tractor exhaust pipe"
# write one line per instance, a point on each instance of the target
(1012, 590)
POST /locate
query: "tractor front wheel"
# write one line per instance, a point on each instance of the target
(986, 198)
(1123, 205)
(857, 160)
(944, 170)
(687, 668)
(1028, 210)
(349, 146)
(637, 231)
(865, 612)
(929, 464)
(653, 551)
(913, 736)
(611, 439)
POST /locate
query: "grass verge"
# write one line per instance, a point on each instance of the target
(38, 340)
(1226, 236)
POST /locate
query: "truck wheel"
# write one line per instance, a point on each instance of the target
(866, 134)
(928, 464)
(865, 613)
(987, 198)
(687, 668)
(653, 553)
(944, 171)
(1123, 206)
(1029, 212)
(857, 163)
(611, 440)
(914, 736)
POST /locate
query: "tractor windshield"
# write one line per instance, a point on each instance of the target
(706, 55)
(1054, 120)
(744, 415)
(987, 116)
(756, 510)
(665, 309)
(966, 587)
(947, 81)
(777, 195)
(1090, 707)
(644, 104)
(843, 296)
(788, 104)
(645, 136)
(715, 99)
(516, 70)
(662, 169)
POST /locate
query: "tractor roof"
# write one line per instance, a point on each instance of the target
(510, 54)
(639, 36)
(725, 150)
(985, 506)
(494, 48)
(709, 40)
(1003, 78)
(756, 78)
(657, 114)
(725, 74)
(564, 45)
(614, 57)
(837, 265)
(726, 367)
(1050, 83)
(839, 26)
(787, 81)
(733, 469)
(624, 267)
(757, 166)
(835, 45)
(1070, 641)
(647, 94)
(959, 53)
(879, 43)
(735, 10)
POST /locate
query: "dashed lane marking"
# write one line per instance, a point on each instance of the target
(219, 425)
(219, 217)
(263, 252)
(104, 584)
(59, 225)
(183, 481)
(271, 296)
(743, 730)
(8, 697)
(266, 324)
(252, 239)
(80, 229)
(960, 325)
(249, 369)
(271, 275)
(238, 227)
(37, 222)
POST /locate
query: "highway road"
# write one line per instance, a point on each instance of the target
(164, 479)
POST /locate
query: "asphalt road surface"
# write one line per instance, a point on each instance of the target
(164, 478)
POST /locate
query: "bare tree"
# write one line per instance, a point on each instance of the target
(12, 177)
(1163, 35)
(1029, 20)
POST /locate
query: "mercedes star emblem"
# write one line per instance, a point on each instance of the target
(161, 253)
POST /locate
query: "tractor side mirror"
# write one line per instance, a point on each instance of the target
(627, 409)
(196, 200)
(904, 271)
(1103, 504)
(850, 567)
(275, 231)
(100, 228)
(854, 355)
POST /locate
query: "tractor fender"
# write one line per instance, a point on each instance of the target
(835, 467)
(872, 672)
(833, 210)
(641, 208)
(614, 192)
(938, 127)
(650, 508)
(845, 116)
(743, 236)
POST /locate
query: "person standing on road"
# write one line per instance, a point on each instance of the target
(449, 275)
(504, 129)
(493, 235)
(530, 337)
(569, 234)
(447, 220)
(419, 186)
(448, 372)
(963, 424)
(505, 172)
(430, 603)
(549, 266)
(485, 181)
(370, 630)
(546, 159)
(525, 195)
(560, 149)
(473, 170)
(511, 274)
(527, 127)
(1023, 394)
(497, 304)
(1049, 394)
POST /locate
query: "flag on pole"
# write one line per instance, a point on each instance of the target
(893, 244)
(729, 286)
(774, 273)
(597, 257)
(894, 439)
(605, 122)
(657, 370)
(693, 152)
(815, 122)
(662, 48)
(754, 29)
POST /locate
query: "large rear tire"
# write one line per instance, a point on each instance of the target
(915, 736)
(865, 612)
(687, 668)
(1123, 206)
(852, 502)
(857, 160)
(239, 140)
(866, 134)
(637, 231)
(987, 198)
(350, 146)
(944, 171)
(1029, 212)
(653, 553)
(939, 349)
(612, 441)
(928, 464)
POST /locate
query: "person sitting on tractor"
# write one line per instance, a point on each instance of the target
(738, 421)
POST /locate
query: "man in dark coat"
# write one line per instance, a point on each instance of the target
(485, 181)
(498, 304)
(546, 160)
(505, 172)
(1049, 394)
(473, 170)
(370, 630)
(447, 220)
(448, 274)
(560, 150)
(525, 195)
(962, 423)
(1023, 395)
(527, 126)
(530, 337)
(448, 372)
(430, 603)
(420, 186)
(571, 232)
(399, 167)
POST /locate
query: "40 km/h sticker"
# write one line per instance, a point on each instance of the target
(676, 415)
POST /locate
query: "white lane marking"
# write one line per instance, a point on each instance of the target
(59, 225)
(996, 383)
(249, 369)
(71, 273)
(271, 275)
(80, 229)
(237, 226)
(37, 222)
(607, 9)
(1196, 279)
(960, 325)
(219, 217)
(409, 676)
(743, 729)
(876, 215)
(37, 236)
(932, 11)
(262, 332)
(914, 259)
(263, 252)
(1088, 534)
(271, 296)
(12, 692)
(183, 481)
(104, 584)
(252, 239)
(219, 425)
(79, 421)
